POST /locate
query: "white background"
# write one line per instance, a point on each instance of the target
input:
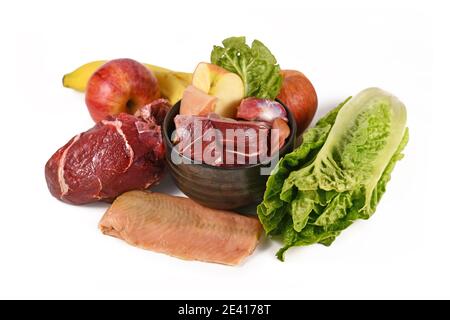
(49, 249)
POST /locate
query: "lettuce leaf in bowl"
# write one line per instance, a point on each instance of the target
(339, 172)
(256, 66)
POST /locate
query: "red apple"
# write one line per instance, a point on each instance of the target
(121, 85)
(298, 94)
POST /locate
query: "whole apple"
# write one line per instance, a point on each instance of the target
(298, 94)
(121, 85)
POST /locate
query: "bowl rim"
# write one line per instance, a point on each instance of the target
(289, 140)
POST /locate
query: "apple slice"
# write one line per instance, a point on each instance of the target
(196, 103)
(226, 86)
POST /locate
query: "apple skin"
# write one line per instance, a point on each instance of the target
(121, 85)
(299, 95)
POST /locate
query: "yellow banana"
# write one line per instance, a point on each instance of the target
(78, 78)
(171, 83)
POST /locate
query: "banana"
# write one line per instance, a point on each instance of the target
(171, 83)
(78, 78)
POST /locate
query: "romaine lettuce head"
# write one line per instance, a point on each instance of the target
(339, 172)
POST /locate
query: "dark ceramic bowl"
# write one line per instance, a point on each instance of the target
(220, 187)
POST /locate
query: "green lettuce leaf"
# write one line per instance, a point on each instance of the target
(256, 66)
(338, 174)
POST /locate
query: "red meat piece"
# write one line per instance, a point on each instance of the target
(220, 141)
(119, 154)
(255, 109)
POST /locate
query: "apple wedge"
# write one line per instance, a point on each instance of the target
(196, 103)
(226, 86)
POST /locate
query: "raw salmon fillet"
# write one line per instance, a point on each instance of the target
(180, 227)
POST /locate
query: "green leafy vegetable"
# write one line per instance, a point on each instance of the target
(339, 172)
(256, 66)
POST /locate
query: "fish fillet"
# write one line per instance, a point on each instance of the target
(180, 227)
